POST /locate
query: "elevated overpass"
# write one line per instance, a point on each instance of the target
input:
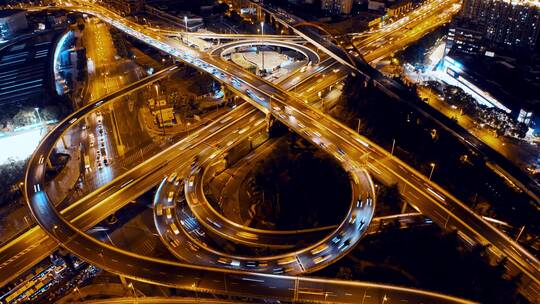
(177, 274)
(227, 48)
(83, 245)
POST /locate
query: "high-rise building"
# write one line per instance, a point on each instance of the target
(12, 22)
(505, 23)
(465, 38)
(337, 7)
(126, 7)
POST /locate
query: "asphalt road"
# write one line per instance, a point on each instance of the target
(271, 98)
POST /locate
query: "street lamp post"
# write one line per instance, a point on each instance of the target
(76, 289)
(262, 39)
(185, 23)
(393, 146)
(39, 116)
(130, 285)
(160, 109)
(27, 221)
(432, 169)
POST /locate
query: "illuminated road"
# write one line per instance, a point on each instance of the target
(390, 38)
(180, 275)
(425, 195)
(435, 202)
(314, 256)
(34, 245)
(227, 48)
(210, 35)
(308, 122)
(167, 273)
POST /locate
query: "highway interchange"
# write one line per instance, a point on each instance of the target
(310, 123)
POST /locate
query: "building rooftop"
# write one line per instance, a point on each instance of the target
(10, 12)
(524, 2)
(514, 83)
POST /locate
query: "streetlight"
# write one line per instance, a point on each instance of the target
(432, 169)
(130, 285)
(27, 221)
(262, 35)
(322, 101)
(76, 289)
(39, 116)
(185, 22)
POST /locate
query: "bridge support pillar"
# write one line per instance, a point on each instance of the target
(49, 164)
(260, 13)
(64, 142)
(269, 122)
(124, 282)
(404, 206)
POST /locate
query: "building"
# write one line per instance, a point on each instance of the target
(11, 23)
(379, 6)
(505, 24)
(399, 9)
(337, 7)
(465, 38)
(125, 7)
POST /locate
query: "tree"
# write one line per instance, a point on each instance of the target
(389, 194)
(344, 273)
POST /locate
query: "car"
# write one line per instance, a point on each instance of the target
(319, 249)
(361, 224)
(256, 97)
(170, 197)
(172, 177)
(287, 260)
(352, 220)
(99, 165)
(256, 264)
(175, 229)
(168, 213)
(344, 245)
(159, 210)
(174, 243)
(236, 83)
(321, 259)
(281, 270)
(225, 261)
(247, 235)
